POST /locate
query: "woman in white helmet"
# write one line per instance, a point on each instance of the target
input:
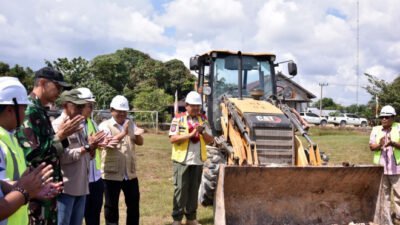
(22, 186)
(385, 143)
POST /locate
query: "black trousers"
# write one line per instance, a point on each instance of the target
(112, 190)
(94, 202)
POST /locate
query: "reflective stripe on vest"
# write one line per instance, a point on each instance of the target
(92, 130)
(14, 154)
(394, 136)
(179, 150)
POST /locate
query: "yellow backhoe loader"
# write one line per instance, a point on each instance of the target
(258, 171)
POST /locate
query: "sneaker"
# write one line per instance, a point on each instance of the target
(192, 222)
(176, 223)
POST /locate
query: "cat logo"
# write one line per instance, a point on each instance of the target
(271, 119)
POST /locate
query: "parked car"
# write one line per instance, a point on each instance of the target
(314, 118)
(348, 119)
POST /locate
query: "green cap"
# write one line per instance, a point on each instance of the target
(72, 96)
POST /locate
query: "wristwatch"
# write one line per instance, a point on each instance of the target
(86, 147)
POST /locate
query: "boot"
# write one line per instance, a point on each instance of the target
(192, 222)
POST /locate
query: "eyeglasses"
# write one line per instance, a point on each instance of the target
(385, 117)
(58, 86)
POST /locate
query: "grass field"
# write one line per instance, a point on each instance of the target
(155, 170)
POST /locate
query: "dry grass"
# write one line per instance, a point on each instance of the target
(155, 170)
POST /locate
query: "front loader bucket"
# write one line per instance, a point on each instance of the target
(297, 195)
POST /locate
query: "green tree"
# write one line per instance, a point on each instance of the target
(4, 68)
(75, 71)
(327, 103)
(25, 75)
(154, 100)
(179, 78)
(387, 93)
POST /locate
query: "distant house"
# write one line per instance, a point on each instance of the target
(294, 95)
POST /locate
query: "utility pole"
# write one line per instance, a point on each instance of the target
(320, 100)
(358, 51)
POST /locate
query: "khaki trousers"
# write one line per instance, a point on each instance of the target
(187, 180)
(391, 182)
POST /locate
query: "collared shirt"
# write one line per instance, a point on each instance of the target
(94, 173)
(387, 157)
(37, 138)
(103, 127)
(74, 164)
(2, 165)
(193, 156)
(3, 175)
(2, 222)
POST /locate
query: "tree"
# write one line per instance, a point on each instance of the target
(179, 78)
(25, 75)
(75, 71)
(154, 100)
(327, 103)
(387, 93)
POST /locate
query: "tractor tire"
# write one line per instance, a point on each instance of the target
(208, 184)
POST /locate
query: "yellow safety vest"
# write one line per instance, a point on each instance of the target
(394, 135)
(92, 130)
(179, 150)
(14, 155)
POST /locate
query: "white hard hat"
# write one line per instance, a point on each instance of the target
(193, 98)
(387, 110)
(86, 94)
(10, 88)
(119, 102)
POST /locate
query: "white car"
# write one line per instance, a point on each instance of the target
(313, 118)
(348, 119)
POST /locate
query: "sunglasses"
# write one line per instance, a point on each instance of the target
(385, 117)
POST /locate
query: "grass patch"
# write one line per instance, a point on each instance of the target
(155, 170)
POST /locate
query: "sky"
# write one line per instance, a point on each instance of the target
(320, 36)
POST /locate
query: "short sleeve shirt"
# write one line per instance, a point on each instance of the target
(193, 156)
(2, 222)
(2, 165)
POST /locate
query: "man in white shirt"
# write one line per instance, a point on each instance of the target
(118, 163)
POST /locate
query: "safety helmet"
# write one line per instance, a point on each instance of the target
(11, 88)
(387, 110)
(119, 102)
(86, 94)
(193, 98)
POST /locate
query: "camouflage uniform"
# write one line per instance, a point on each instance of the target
(37, 139)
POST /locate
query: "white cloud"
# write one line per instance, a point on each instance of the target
(319, 35)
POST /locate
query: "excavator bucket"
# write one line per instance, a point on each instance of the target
(298, 195)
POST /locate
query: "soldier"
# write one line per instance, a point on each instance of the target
(39, 141)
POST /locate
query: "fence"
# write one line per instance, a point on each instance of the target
(145, 119)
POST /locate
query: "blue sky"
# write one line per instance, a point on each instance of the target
(319, 35)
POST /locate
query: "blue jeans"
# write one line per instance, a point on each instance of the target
(71, 209)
